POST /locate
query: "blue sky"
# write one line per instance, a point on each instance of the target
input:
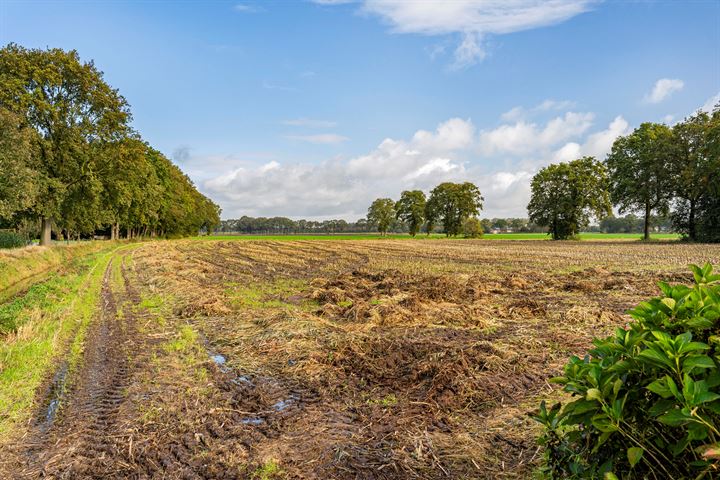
(313, 108)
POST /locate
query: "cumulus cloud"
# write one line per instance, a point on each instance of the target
(473, 20)
(663, 89)
(500, 161)
(522, 138)
(596, 145)
(321, 138)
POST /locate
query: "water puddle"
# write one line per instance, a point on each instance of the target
(57, 392)
(255, 421)
(284, 404)
(218, 359)
(221, 361)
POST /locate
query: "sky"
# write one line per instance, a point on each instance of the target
(312, 109)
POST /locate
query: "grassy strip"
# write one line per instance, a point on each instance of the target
(21, 264)
(51, 315)
(493, 236)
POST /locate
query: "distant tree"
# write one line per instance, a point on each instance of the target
(565, 195)
(486, 225)
(18, 181)
(472, 228)
(708, 214)
(690, 166)
(411, 209)
(452, 204)
(640, 171)
(501, 223)
(73, 111)
(381, 214)
(629, 223)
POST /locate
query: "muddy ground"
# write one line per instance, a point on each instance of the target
(347, 360)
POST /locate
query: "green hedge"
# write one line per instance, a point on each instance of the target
(12, 240)
(647, 400)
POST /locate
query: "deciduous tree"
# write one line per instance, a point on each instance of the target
(381, 214)
(452, 203)
(18, 180)
(72, 109)
(565, 196)
(640, 171)
(411, 209)
(691, 170)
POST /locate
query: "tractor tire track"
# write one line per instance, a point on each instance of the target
(79, 441)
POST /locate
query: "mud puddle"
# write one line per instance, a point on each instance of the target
(56, 396)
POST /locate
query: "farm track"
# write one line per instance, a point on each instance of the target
(343, 360)
(80, 440)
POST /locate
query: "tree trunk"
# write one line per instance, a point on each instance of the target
(691, 221)
(46, 234)
(646, 235)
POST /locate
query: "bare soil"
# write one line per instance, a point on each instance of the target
(347, 360)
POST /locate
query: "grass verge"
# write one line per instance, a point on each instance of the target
(52, 316)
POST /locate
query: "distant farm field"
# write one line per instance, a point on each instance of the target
(435, 236)
(305, 359)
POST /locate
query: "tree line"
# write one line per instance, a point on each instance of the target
(656, 170)
(72, 165)
(288, 226)
(455, 206)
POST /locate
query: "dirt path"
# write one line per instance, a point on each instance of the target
(73, 442)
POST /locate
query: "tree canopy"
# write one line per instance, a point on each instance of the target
(451, 204)
(692, 169)
(566, 195)
(381, 214)
(640, 171)
(74, 162)
(411, 209)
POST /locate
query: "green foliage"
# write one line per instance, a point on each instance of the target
(12, 240)
(18, 182)
(381, 214)
(708, 207)
(647, 400)
(472, 228)
(566, 195)
(641, 171)
(452, 204)
(691, 166)
(411, 209)
(67, 154)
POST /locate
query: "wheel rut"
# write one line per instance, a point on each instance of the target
(80, 438)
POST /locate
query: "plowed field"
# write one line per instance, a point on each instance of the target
(319, 360)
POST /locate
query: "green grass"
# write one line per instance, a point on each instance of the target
(268, 471)
(50, 319)
(264, 295)
(436, 236)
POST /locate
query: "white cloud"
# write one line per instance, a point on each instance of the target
(309, 122)
(523, 138)
(709, 106)
(663, 89)
(321, 138)
(596, 145)
(521, 113)
(500, 161)
(473, 19)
